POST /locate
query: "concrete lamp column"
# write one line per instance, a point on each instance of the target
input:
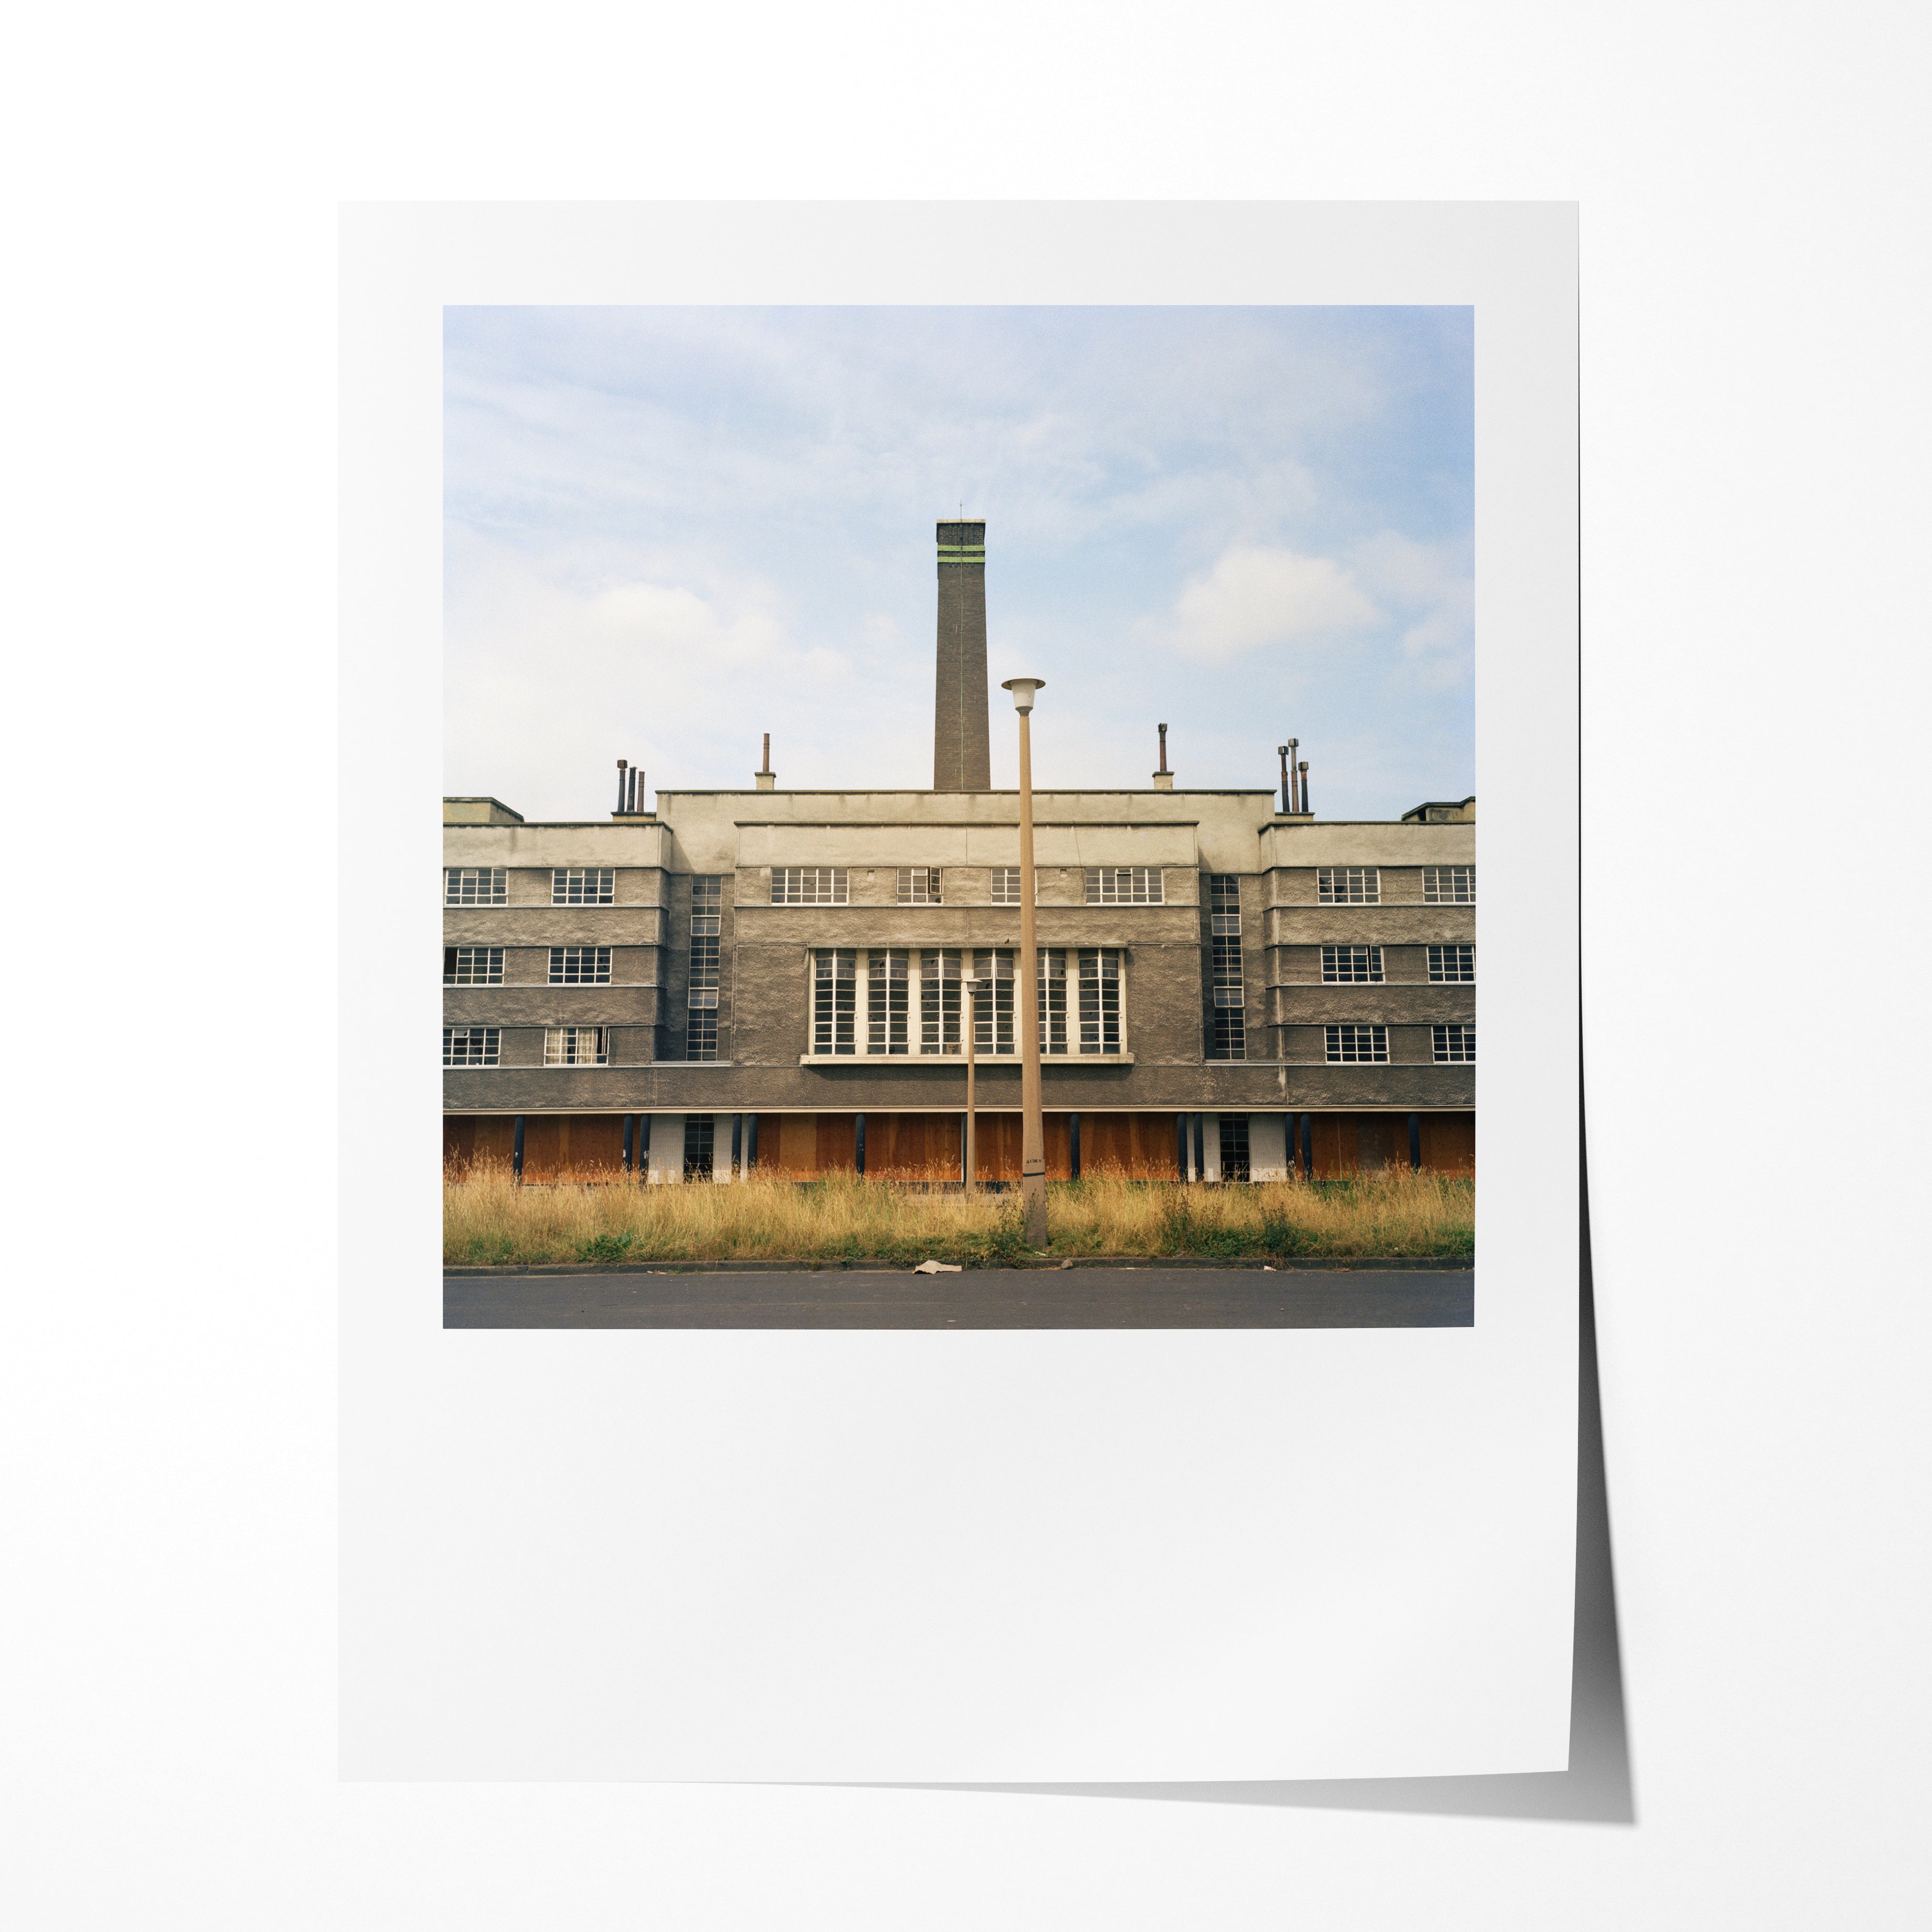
(1032, 1126)
(969, 999)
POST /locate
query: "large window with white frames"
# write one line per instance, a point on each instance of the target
(580, 965)
(475, 885)
(473, 965)
(470, 1046)
(1355, 1045)
(1449, 885)
(917, 885)
(1099, 1001)
(888, 1010)
(1123, 885)
(1348, 885)
(576, 1046)
(1452, 965)
(835, 1001)
(811, 885)
(583, 885)
(1351, 965)
(1455, 1045)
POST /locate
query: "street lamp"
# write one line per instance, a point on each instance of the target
(1033, 1126)
(969, 994)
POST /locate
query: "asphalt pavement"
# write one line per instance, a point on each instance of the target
(1087, 1297)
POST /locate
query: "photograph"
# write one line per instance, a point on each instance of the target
(1146, 999)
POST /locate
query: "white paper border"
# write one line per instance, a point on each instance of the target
(1068, 1556)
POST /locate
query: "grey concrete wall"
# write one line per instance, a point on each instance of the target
(763, 1010)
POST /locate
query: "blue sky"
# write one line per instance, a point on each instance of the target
(669, 530)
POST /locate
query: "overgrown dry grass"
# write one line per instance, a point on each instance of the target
(487, 1218)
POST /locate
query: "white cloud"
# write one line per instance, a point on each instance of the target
(1255, 596)
(679, 681)
(1432, 585)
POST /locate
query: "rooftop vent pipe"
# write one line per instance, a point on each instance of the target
(766, 778)
(1163, 778)
(622, 763)
(1303, 768)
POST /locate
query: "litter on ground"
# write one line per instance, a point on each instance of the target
(937, 1268)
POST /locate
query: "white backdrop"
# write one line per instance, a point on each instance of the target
(1753, 500)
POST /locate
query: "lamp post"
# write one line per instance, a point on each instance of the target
(969, 994)
(1033, 1126)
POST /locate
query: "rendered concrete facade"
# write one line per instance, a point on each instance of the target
(765, 1065)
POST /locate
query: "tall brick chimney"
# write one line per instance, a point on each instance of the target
(962, 760)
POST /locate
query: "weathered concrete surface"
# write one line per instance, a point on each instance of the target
(1153, 1296)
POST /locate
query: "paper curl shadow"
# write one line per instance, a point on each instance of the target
(1597, 1788)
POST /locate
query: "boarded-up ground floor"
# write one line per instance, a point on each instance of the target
(931, 1146)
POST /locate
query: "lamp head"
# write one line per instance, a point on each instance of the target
(1023, 689)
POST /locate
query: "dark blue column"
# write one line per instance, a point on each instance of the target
(1073, 1145)
(517, 1150)
(630, 1137)
(858, 1144)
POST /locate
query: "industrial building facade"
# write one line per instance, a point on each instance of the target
(770, 979)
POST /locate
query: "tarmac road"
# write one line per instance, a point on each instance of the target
(1086, 1298)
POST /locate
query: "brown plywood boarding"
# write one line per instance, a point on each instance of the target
(1140, 1146)
(913, 1147)
(1449, 1143)
(835, 1147)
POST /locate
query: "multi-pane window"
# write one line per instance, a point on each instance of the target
(1348, 885)
(886, 1010)
(583, 885)
(993, 1002)
(474, 885)
(1123, 885)
(470, 1046)
(1351, 965)
(703, 969)
(939, 1003)
(1227, 973)
(1006, 885)
(1234, 1147)
(834, 1001)
(473, 965)
(1449, 885)
(1100, 1001)
(576, 1046)
(1452, 965)
(699, 1129)
(918, 885)
(1228, 1035)
(1052, 1000)
(1455, 1045)
(810, 885)
(580, 965)
(701, 1040)
(1352, 1044)
(707, 899)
